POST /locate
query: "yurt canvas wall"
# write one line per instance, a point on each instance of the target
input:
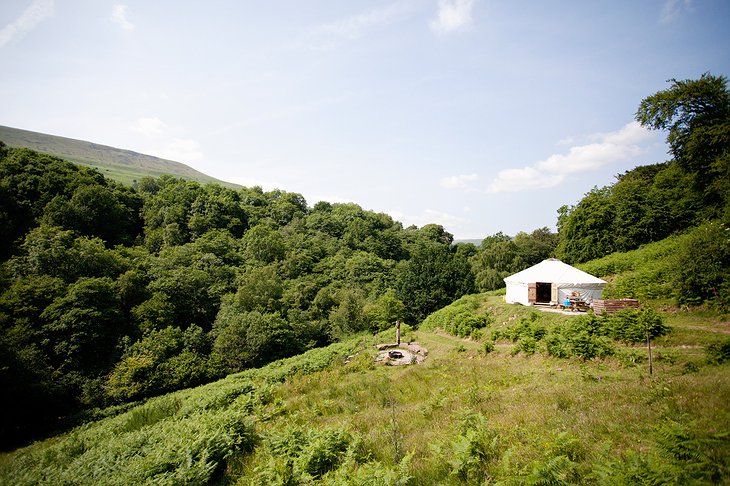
(550, 282)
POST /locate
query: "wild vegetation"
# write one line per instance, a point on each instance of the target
(110, 294)
(650, 203)
(518, 412)
(114, 300)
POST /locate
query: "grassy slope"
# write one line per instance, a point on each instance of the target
(123, 166)
(461, 417)
(529, 410)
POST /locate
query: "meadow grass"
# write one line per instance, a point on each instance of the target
(463, 416)
(604, 410)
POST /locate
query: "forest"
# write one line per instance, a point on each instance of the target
(111, 294)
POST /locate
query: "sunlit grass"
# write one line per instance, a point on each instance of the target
(546, 417)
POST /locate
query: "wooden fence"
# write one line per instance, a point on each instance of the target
(611, 306)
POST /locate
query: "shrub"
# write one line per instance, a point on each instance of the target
(151, 413)
(324, 452)
(719, 352)
(556, 470)
(371, 473)
(527, 326)
(556, 345)
(629, 359)
(299, 455)
(588, 346)
(703, 263)
(526, 344)
(162, 361)
(583, 337)
(473, 452)
(632, 325)
(635, 468)
(459, 318)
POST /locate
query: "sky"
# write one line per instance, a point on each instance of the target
(482, 116)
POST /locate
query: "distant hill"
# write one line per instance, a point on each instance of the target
(121, 165)
(473, 241)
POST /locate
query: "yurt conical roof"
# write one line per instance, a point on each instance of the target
(553, 270)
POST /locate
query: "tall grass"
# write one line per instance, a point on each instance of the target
(463, 416)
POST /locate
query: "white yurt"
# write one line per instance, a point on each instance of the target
(550, 282)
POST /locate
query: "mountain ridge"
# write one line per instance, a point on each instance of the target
(123, 165)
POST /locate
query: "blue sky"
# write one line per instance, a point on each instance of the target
(479, 115)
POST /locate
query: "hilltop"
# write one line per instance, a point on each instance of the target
(124, 166)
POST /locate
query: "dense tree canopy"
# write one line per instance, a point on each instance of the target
(109, 294)
(696, 115)
(501, 255)
(652, 202)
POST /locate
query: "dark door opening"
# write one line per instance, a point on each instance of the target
(544, 292)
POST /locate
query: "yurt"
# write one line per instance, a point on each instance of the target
(550, 282)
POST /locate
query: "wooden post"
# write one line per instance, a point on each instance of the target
(648, 344)
(397, 333)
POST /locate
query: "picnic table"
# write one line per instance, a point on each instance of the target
(575, 303)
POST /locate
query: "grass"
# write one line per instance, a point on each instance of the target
(462, 417)
(120, 165)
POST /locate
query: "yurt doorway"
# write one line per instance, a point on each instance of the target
(543, 292)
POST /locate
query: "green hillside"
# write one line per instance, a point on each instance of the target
(183, 333)
(510, 411)
(506, 395)
(124, 166)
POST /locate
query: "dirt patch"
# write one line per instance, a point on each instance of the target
(555, 310)
(708, 329)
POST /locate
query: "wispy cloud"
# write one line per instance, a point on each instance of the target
(328, 35)
(431, 216)
(517, 180)
(36, 13)
(119, 17)
(606, 149)
(453, 16)
(149, 126)
(458, 181)
(183, 150)
(603, 149)
(166, 145)
(672, 9)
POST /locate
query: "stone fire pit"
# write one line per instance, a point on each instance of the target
(405, 354)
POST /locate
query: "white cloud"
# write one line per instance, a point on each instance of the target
(605, 149)
(429, 216)
(631, 134)
(569, 140)
(440, 217)
(672, 9)
(326, 36)
(453, 16)
(354, 26)
(458, 181)
(36, 13)
(119, 17)
(182, 150)
(516, 180)
(266, 185)
(149, 126)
